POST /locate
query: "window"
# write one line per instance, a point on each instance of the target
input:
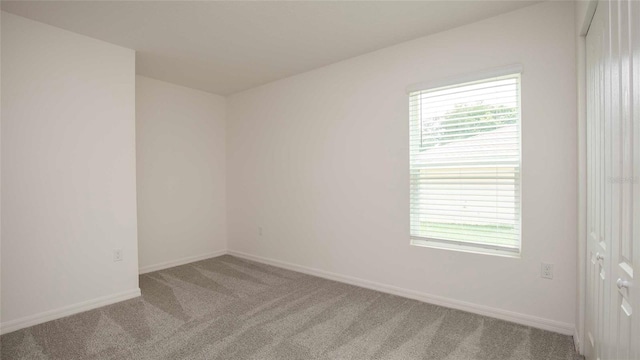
(465, 165)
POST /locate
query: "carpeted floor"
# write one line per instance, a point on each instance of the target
(228, 308)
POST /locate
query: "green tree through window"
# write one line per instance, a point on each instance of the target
(464, 121)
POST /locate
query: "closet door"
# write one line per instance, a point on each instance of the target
(613, 184)
(625, 38)
(634, 100)
(598, 245)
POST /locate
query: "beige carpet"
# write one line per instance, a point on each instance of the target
(228, 308)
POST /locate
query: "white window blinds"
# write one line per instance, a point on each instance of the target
(465, 164)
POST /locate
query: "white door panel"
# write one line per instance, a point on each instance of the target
(633, 247)
(597, 245)
(613, 171)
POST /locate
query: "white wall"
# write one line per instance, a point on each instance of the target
(68, 172)
(180, 141)
(320, 161)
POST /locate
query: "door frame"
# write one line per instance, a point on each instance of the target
(584, 14)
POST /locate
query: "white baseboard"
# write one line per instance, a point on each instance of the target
(576, 340)
(523, 319)
(13, 325)
(181, 261)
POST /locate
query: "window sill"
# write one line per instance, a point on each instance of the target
(435, 244)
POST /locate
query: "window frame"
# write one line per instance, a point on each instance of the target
(469, 246)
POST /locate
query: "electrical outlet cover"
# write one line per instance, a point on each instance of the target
(117, 255)
(546, 271)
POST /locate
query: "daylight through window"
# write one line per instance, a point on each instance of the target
(465, 165)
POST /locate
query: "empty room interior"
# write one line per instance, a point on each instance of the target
(320, 180)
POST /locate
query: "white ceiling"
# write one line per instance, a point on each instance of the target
(228, 46)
